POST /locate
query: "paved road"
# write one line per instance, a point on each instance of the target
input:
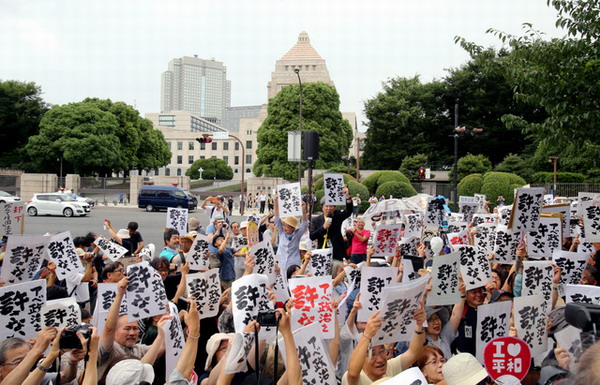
(151, 224)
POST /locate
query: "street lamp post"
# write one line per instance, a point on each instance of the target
(297, 71)
(554, 159)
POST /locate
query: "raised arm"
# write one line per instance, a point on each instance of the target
(457, 310)
(294, 374)
(185, 270)
(112, 232)
(357, 358)
(415, 349)
(110, 327)
(185, 365)
(157, 348)
(20, 373)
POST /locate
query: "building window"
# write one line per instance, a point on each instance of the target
(191, 146)
(179, 146)
(202, 157)
(248, 145)
(236, 160)
(214, 146)
(167, 171)
(237, 146)
(179, 159)
(202, 146)
(248, 159)
(178, 172)
(225, 146)
(190, 159)
(226, 159)
(169, 144)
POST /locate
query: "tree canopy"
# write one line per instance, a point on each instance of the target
(96, 137)
(320, 112)
(21, 109)
(212, 168)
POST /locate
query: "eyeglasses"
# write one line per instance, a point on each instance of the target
(383, 353)
(436, 362)
(118, 270)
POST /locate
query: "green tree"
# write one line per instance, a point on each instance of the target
(320, 113)
(213, 168)
(21, 109)
(396, 189)
(411, 164)
(472, 164)
(513, 163)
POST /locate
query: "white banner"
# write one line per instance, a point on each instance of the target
(312, 304)
(206, 289)
(290, 200)
(177, 219)
(20, 309)
(23, 258)
(146, 295)
(333, 185)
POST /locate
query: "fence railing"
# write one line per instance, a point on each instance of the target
(570, 189)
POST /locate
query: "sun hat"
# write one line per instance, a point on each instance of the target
(128, 372)
(463, 369)
(244, 224)
(213, 344)
(291, 221)
(442, 312)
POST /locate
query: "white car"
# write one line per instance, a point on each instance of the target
(8, 198)
(56, 204)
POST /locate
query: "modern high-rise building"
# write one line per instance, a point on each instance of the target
(197, 86)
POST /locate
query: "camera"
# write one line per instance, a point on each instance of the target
(69, 339)
(267, 318)
(183, 304)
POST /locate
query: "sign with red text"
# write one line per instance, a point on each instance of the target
(386, 240)
(507, 359)
(312, 304)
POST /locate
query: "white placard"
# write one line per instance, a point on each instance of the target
(582, 294)
(23, 258)
(506, 242)
(312, 304)
(11, 215)
(372, 282)
(569, 339)
(20, 306)
(530, 321)
(198, 254)
(61, 313)
(475, 267)
(174, 340)
(61, 251)
(485, 236)
(412, 226)
(106, 296)
(177, 219)
(412, 376)
(547, 238)
(264, 256)
(386, 240)
(333, 185)
(479, 219)
(206, 289)
(397, 310)
(467, 209)
(525, 213)
(493, 321)
(565, 210)
(112, 250)
(583, 197)
(572, 265)
(320, 262)
(290, 200)
(280, 288)
(248, 297)
(537, 279)
(444, 282)
(591, 220)
(146, 295)
(147, 253)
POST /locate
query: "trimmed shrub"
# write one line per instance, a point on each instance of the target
(370, 182)
(469, 185)
(396, 189)
(498, 183)
(391, 176)
(357, 188)
(561, 177)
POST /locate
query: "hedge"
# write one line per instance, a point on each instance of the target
(396, 190)
(470, 185)
(492, 184)
(373, 181)
(561, 177)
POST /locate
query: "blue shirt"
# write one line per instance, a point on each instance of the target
(227, 271)
(288, 249)
(168, 253)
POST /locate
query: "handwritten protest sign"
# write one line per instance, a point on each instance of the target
(537, 279)
(581, 198)
(456, 226)
(507, 360)
(23, 258)
(457, 217)
(248, 297)
(61, 313)
(312, 303)
(265, 260)
(530, 321)
(467, 208)
(547, 238)
(565, 210)
(412, 376)
(493, 321)
(11, 217)
(504, 215)
(174, 339)
(61, 251)
(434, 212)
(506, 242)
(315, 364)
(146, 295)
(479, 219)
(386, 240)
(320, 262)
(412, 226)
(290, 200)
(481, 201)
(20, 306)
(177, 219)
(206, 289)
(106, 296)
(591, 220)
(444, 282)
(397, 310)
(333, 184)
(408, 272)
(475, 267)
(147, 253)
(197, 256)
(280, 288)
(237, 359)
(485, 236)
(372, 282)
(408, 246)
(569, 339)
(572, 265)
(525, 214)
(112, 250)
(582, 294)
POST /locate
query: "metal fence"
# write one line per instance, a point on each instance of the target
(570, 189)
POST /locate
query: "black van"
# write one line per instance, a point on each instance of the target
(154, 198)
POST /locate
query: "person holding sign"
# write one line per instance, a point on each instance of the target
(290, 234)
(327, 228)
(370, 363)
(360, 240)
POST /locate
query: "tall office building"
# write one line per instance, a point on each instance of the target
(197, 86)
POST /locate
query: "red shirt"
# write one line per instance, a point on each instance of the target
(359, 247)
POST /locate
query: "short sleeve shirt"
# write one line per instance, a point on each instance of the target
(394, 367)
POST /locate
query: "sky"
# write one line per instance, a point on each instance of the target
(118, 49)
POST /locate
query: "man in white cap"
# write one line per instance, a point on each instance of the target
(290, 233)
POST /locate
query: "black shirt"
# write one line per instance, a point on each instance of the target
(132, 243)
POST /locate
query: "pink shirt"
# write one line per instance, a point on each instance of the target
(359, 247)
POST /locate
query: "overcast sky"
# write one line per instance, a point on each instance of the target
(118, 49)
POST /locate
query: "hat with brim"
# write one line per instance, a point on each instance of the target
(80, 252)
(442, 312)
(191, 235)
(213, 344)
(291, 221)
(463, 369)
(128, 372)
(303, 246)
(123, 233)
(218, 218)
(216, 238)
(243, 225)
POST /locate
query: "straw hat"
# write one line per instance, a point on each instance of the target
(291, 221)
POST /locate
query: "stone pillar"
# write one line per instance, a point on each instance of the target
(36, 184)
(73, 183)
(135, 184)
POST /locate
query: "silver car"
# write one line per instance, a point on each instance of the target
(56, 204)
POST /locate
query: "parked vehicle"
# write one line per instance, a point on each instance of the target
(154, 198)
(56, 204)
(8, 198)
(79, 198)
